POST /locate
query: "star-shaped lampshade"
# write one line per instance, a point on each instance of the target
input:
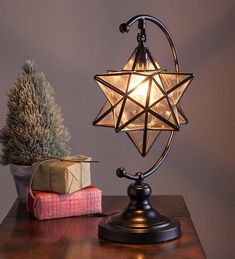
(142, 99)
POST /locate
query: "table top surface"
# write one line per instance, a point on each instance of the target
(22, 236)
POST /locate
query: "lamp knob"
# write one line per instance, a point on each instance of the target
(121, 172)
(124, 28)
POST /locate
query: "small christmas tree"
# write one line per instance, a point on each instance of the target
(34, 125)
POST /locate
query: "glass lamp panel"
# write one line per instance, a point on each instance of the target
(162, 108)
(169, 80)
(167, 110)
(182, 118)
(131, 110)
(130, 61)
(174, 119)
(158, 81)
(116, 111)
(155, 93)
(152, 135)
(146, 65)
(117, 80)
(137, 124)
(111, 95)
(143, 60)
(151, 60)
(156, 124)
(135, 80)
(166, 81)
(176, 94)
(104, 109)
(140, 93)
(106, 120)
(137, 137)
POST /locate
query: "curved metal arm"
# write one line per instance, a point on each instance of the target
(162, 157)
(124, 28)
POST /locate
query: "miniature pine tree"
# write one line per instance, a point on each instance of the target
(34, 125)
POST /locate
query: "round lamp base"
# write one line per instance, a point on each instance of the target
(165, 229)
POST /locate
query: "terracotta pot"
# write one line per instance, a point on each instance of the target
(22, 175)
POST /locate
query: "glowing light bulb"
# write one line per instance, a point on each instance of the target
(140, 93)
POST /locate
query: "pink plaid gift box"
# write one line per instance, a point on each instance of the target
(45, 205)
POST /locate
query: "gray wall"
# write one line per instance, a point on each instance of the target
(73, 40)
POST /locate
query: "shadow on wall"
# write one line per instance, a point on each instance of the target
(198, 49)
(218, 33)
(195, 48)
(205, 44)
(209, 40)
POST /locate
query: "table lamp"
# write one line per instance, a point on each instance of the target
(142, 101)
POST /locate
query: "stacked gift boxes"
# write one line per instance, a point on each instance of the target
(62, 188)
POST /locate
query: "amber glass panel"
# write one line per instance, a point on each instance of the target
(150, 61)
(158, 80)
(174, 119)
(151, 136)
(116, 80)
(130, 62)
(167, 111)
(178, 92)
(135, 80)
(156, 124)
(169, 80)
(116, 113)
(155, 94)
(137, 124)
(147, 65)
(137, 137)
(182, 117)
(162, 108)
(111, 95)
(140, 92)
(108, 120)
(104, 109)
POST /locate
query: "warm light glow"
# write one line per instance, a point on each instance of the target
(140, 93)
(142, 99)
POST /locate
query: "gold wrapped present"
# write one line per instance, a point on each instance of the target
(61, 175)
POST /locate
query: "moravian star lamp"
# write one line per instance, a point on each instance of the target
(143, 100)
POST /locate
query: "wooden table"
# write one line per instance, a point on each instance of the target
(22, 236)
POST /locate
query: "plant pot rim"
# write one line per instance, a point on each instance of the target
(21, 170)
(12, 164)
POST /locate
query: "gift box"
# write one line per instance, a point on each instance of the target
(45, 205)
(65, 175)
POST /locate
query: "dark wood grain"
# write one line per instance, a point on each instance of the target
(22, 236)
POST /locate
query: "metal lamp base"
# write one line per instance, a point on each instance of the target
(139, 223)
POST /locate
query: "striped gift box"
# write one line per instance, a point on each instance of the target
(45, 205)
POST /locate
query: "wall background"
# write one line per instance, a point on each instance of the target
(73, 40)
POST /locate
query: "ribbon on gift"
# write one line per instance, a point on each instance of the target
(76, 159)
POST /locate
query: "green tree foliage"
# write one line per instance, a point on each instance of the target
(34, 124)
